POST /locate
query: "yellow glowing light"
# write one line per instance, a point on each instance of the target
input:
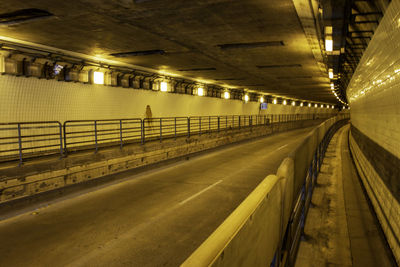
(316, 105)
(98, 77)
(284, 102)
(275, 101)
(329, 44)
(330, 73)
(301, 104)
(309, 105)
(163, 87)
(246, 98)
(333, 106)
(226, 95)
(293, 103)
(262, 99)
(200, 91)
(322, 106)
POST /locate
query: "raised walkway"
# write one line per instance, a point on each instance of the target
(341, 229)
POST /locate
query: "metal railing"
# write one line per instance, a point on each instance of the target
(22, 140)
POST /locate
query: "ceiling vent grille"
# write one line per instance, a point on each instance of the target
(23, 15)
(139, 53)
(250, 45)
(198, 69)
(279, 66)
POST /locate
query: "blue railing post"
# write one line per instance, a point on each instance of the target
(175, 129)
(142, 132)
(199, 125)
(61, 140)
(188, 126)
(95, 136)
(160, 129)
(120, 133)
(20, 144)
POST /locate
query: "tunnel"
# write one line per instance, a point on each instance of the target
(200, 133)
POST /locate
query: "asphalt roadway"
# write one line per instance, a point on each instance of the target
(154, 218)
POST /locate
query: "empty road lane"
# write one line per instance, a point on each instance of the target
(155, 218)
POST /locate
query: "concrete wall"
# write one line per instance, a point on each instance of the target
(32, 99)
(374, 95)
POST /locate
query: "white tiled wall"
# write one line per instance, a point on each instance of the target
(374, 96)
(32, 99)
(374, 91)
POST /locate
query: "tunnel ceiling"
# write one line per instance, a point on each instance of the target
(255, 44)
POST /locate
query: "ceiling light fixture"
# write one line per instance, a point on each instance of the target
(163, 87)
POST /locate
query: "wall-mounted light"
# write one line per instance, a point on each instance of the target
(163, 87)
(328, 44)
(246, 98)
(332, 86)
(98, 77)
(301, 104)
(227, 95)
(309, 105)
(284, 102)
(261, 99)
(322, 105)
(333, 106)
(316, 105)
(275, 101)
(330, 72)
(293, 103)
(200, 91)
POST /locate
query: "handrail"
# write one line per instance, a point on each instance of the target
(21, 140)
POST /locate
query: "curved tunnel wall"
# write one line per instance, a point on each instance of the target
(32, 99)
(374, 95)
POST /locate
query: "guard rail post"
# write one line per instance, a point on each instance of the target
(60, 130)
(188, 126)
(19, 144)
(120, 134)
(95, 136)
(160, 130)
(142, 132)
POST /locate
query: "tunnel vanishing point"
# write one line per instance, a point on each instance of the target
(200, 133)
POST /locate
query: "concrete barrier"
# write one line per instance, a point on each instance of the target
(242, 239)
(275, 211)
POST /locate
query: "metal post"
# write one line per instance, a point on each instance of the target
(20, 144)
(160, 129)
(142, 132)
(199, 125)
(65, 137)
(95, 136)
(61, 140)
(188, 126)
(175, 129)
(120, 133)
